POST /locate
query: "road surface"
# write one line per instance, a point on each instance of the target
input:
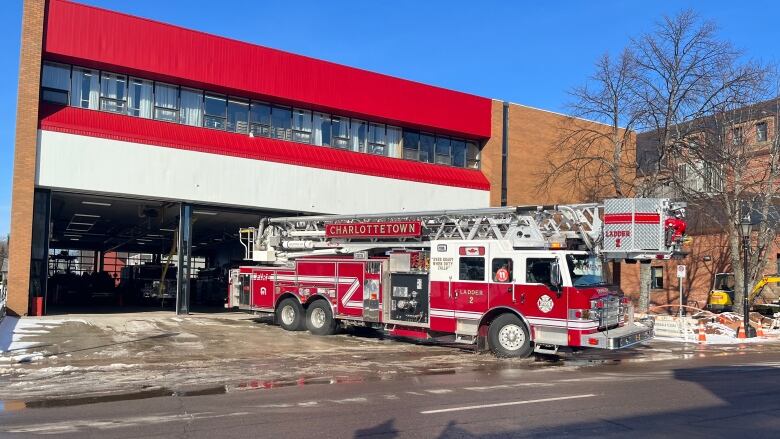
(707, 393)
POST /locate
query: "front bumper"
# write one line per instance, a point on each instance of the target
(618, 338)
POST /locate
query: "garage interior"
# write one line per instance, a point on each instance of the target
(109, 254)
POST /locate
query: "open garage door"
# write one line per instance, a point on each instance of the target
(109, 254)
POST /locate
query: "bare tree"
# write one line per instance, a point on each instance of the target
(671, 84)
(595, 151)
(695, 88)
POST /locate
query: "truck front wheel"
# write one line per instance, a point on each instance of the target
(319, 318)
(289, 315)
(508, 337)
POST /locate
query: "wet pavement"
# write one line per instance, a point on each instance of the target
(95, 359)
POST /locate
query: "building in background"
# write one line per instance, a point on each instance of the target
(135, 137)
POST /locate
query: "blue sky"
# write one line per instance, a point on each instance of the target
(524, 52)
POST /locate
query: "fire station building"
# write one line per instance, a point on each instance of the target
(143, 147)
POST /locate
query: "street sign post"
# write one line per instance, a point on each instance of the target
(680, 277)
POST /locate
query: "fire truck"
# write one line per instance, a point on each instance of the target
(514, 280)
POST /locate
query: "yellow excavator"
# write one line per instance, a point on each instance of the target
(721, 297)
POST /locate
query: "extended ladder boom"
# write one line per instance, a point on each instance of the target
(573, 226)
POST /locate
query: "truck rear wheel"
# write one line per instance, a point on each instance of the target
(319, 318)
(508, 337)
(289, 315)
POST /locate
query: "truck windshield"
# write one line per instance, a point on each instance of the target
(585, 270)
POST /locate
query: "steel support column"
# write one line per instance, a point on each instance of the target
(184, 252)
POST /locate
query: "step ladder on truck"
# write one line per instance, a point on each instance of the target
(512, 279)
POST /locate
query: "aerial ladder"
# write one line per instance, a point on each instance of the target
(630, 229)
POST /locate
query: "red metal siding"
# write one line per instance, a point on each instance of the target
(152, 132)
(100, 38)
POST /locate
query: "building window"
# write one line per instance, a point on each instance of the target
(358, 129)
(166, 102)
(377, 139)
(191, 107)
(411, 145)
(139, 98)
(215, 111)
(458, 153)
(736, 136)
(260, 119)
(85, 89)
(472, 268)
(301, 126)
(281, 121)
(55, 83)
(339, 127)
(321, 125)
(113, 92)
(761, 132)
(443, 153)
(394, 135)
(657, 278)
(238, 116)
(472, 155)
(426, 148)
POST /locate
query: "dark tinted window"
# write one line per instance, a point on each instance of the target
(537, 270)
(472, 268)
(426, 148)
(505, 265)
(411, 145)
(281, 120)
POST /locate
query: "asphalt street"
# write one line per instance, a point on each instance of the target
(709, 394)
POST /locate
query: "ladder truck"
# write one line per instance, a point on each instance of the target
(514, 280)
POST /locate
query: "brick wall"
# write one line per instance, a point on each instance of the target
(25, 156)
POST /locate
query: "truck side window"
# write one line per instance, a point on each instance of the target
(538, 270)
(472, 268)
(502, 270)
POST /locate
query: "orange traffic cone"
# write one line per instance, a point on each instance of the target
(759, 330)
(702, 334)
(741, 330)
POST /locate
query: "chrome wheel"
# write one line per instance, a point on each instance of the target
(318, 318)
(511, 337)
(288, 315)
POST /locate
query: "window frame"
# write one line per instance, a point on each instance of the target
(258, 127)
(172, 110)
(467, 278)
(765, 125)
(494, 270)
(121, 103)
(45, 89)
(237, 101)
(209, 117)
(654, 285)
(299, 132)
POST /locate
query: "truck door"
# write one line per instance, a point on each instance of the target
(470, 291)
(544, 304)
(502, 281)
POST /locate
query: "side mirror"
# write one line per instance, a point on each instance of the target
(555, 275)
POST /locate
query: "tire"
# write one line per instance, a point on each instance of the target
(289, 315)
(508, 337)
(319, 318)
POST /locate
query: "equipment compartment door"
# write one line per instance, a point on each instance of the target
(350, 277)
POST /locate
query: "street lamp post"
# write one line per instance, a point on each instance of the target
(746, 227)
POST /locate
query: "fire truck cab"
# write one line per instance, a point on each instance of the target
(494, 284)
